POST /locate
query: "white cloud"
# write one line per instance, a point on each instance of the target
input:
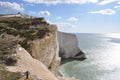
(26, 4)
(119, 2)
(116, 7)
(64, 24)
(11, 6)
(104, 2)
(104, 12)
(65, 27)
(54, 2)
(32, 12)
(58, 17)
(44, 13)
(73, 19)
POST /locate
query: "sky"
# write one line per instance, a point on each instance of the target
(74, 16)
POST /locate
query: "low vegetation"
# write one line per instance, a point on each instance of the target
(27, 28)
(6, 49)
(6, 75)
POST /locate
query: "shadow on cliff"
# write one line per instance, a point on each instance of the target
(80, 56)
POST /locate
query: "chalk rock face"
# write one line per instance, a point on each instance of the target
(47, 50)
(68, 46)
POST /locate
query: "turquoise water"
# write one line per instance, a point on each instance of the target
(103, 58)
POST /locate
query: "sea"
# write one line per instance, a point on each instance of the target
(103, 58)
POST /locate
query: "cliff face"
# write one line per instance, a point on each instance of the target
(47, 50)
(68, 46)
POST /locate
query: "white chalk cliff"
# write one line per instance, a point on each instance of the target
(68, 46)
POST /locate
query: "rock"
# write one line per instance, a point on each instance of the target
(46, 50)
(68, 46)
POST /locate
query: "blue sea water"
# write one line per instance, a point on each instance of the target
(103, 58)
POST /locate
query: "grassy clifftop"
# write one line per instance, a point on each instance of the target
(28, 28)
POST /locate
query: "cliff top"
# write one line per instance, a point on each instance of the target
(28, 28)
